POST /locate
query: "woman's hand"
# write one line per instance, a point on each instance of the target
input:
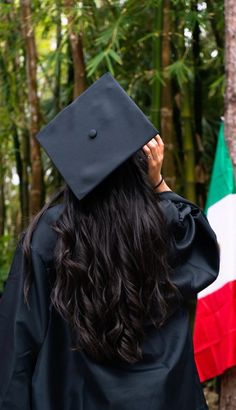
(154, 151)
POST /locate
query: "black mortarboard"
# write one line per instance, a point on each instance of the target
(95, 134)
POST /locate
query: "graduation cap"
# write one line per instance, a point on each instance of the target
(95, 134)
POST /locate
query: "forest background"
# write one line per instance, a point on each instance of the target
(168, 56)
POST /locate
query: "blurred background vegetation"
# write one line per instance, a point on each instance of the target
(168, 56)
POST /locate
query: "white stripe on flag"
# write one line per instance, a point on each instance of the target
(222, 218)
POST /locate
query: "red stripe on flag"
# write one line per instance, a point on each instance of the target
(215, 332)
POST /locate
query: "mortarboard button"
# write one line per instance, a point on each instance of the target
(92, 133)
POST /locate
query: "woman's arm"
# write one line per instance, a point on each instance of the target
(194, 250)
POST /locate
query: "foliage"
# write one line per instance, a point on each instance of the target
(7, 249)
(117, 37)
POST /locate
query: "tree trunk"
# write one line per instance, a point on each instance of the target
(219, 38)
(57, 179)
(187, 129)
(25, 154)
(197, 77)
(228, 390)
(230, 68)
(188, 143)
(70, 74)
(36, 189)
(57, 86)
(76, 50)
(156, 51)
(228, 380)
(200, 176)
(166, 103)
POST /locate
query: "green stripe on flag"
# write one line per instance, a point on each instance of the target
(222, 179)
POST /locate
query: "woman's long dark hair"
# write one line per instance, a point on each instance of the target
(111, 264)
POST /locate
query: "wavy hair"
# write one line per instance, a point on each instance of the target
(111, 264)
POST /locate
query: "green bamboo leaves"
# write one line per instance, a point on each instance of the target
(107, 56)
(180, 71)
(109, 43)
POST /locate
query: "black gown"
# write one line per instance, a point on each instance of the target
(39, 371)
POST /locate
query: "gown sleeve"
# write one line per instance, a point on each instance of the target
(194, 251)
(22, 330)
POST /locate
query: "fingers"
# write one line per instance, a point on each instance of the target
(147, 151)
(154, 149)
(159, 141)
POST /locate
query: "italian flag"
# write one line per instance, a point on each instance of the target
(215, 324)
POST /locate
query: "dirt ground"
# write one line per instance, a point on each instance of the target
(212, 398)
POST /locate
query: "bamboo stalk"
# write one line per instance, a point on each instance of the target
(156, 50)
(166, 104)
(188, 143)
(37, 188)
(76, 44)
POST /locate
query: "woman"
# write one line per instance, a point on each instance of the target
(106, 280)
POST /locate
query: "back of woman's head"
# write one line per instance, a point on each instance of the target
(111, 264)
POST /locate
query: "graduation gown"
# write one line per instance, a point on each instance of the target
(39, 371)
